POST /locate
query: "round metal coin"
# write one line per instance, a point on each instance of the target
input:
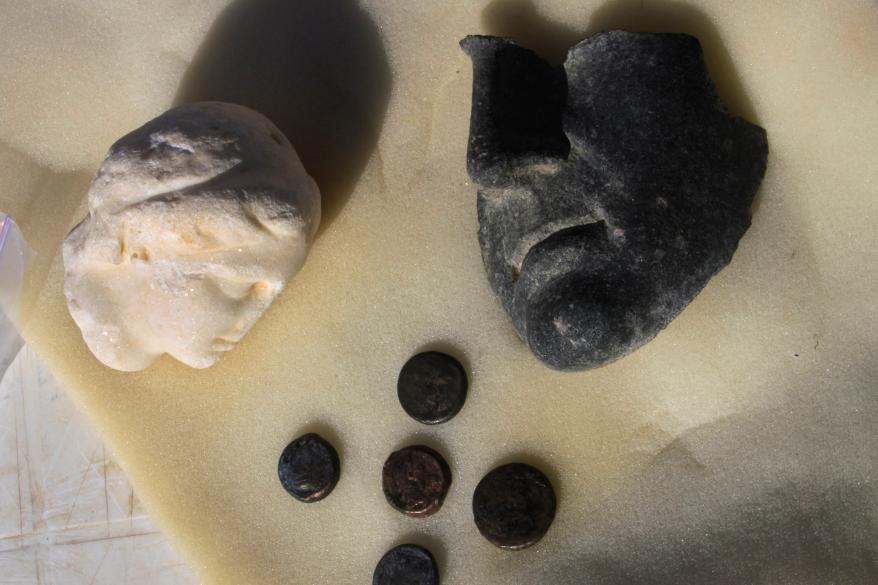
(432, 387)
(415, 480)
(514, 505)
(407, 564)
(309, 468)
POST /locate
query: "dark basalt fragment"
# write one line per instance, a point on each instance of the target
(407, 564)
(610, 189)
(309, 468)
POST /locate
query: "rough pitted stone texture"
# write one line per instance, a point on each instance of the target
(611, 189)
(196, 222)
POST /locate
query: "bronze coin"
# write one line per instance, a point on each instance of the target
(415, 480)
(309, 468)
(514, 505)
(432, 387)
(407, 564)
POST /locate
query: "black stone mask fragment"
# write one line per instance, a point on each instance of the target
(610, 189)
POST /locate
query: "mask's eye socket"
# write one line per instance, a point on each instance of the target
(517, 115)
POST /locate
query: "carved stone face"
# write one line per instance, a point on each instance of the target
(196, 222)
(611, 189)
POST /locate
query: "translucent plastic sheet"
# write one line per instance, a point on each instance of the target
(14, 256)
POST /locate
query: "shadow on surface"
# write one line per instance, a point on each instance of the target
(778, 496)
(449, 348)
(328, 432)
(679, 17)
(520, 20)
(431, 543)
(427, 439)
(316, 68)
(534, 460)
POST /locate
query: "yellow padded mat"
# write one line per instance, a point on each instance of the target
(739, 444)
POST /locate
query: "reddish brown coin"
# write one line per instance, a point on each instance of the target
(415, 480)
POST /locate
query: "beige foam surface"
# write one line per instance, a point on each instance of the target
(738, 446)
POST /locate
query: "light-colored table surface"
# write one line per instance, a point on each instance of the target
(67, 513)
(740, 446)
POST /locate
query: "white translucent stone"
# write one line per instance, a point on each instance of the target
(196, 222)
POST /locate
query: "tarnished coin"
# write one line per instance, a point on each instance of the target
(415, 480)
(407, 564)
(514, 505)
(432, 387)
(309, 468)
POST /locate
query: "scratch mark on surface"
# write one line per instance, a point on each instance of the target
(131, 507)
(18, 469)
(76, 497)
(100, 564)
(79, 490)
(5, 491)
(39, 567)
(35, 494)
(106, 490)
(50, 468)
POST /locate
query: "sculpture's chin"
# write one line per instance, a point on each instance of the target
(578, 303)
(577, 323)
